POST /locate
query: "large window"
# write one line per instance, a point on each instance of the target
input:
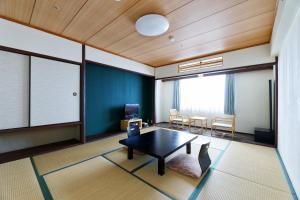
(202, 95)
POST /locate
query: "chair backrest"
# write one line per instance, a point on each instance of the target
(230, 119)
(173, 112)
(133, 130)
(203, 157)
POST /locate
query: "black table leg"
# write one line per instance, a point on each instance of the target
(188, 148)
(130, 153)
(161, 166)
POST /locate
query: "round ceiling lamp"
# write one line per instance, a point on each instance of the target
(152, 25)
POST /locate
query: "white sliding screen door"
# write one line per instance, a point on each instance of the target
(14, 90)
(54, 92)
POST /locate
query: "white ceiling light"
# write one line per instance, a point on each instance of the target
(152, 25)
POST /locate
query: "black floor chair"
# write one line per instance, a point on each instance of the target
(203, 157)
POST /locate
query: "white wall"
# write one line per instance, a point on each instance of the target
(251, 100)
(22, 37)
(289, 102)
(244, 57)
(103, 57)
(286, 12)
(164, 96)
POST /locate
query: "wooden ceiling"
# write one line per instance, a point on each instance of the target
(199, 27)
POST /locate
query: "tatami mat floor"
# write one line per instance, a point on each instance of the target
(101, 170)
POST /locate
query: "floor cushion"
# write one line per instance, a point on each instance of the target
(185, 164)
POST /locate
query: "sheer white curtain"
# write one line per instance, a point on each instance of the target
(202, 95)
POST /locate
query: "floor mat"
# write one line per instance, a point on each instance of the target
(120, 157)
(221, 186)
(173, 183)
(49, 162)
(216, 143)
(98, 179)
(18, 181)
(255, 163)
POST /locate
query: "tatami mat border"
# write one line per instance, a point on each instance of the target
(294, 194)
(200, 186)
(43, 185)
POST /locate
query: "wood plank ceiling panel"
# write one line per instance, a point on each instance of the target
(94, 16)
(200, 9)
(55, 15)
(125, 24)
(239, 41)
(227, 17)
(263, 20)
(19, 10)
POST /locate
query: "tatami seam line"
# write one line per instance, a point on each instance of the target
(132, 173)
(243, 178)
(75, 163)
(42, 183)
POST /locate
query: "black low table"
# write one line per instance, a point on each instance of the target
(159, 144)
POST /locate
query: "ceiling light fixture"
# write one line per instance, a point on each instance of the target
(152, 25)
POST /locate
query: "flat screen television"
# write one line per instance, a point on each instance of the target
(131, 111)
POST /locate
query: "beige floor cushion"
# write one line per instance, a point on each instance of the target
(185, 164)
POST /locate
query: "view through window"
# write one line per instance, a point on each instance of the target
(202, 95)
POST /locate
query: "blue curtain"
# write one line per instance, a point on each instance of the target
(229, 94)
(176, 95)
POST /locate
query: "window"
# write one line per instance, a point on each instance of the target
(205, 63)
(202, 95)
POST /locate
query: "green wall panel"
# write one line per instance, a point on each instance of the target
(108, 89)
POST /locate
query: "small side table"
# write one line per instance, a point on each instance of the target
(194, 119)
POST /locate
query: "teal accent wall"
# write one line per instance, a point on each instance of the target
(108, 89)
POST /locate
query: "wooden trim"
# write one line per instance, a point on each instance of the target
(29, 94)
(126, 70)
(154, 105)
(40, 127)
(29, 53)
(265, 66)
(276, 103)
(82, 96)
(178, 78)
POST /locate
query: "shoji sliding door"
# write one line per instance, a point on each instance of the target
(14, 90)
(54, 92)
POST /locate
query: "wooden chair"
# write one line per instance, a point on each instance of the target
(225, 122)
(176, 117)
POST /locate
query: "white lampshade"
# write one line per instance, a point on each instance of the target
(152, 25)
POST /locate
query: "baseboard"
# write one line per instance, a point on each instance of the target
(100, 136)
(33, 151)
(215, 129)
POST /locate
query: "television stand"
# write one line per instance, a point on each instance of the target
(125, 123)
